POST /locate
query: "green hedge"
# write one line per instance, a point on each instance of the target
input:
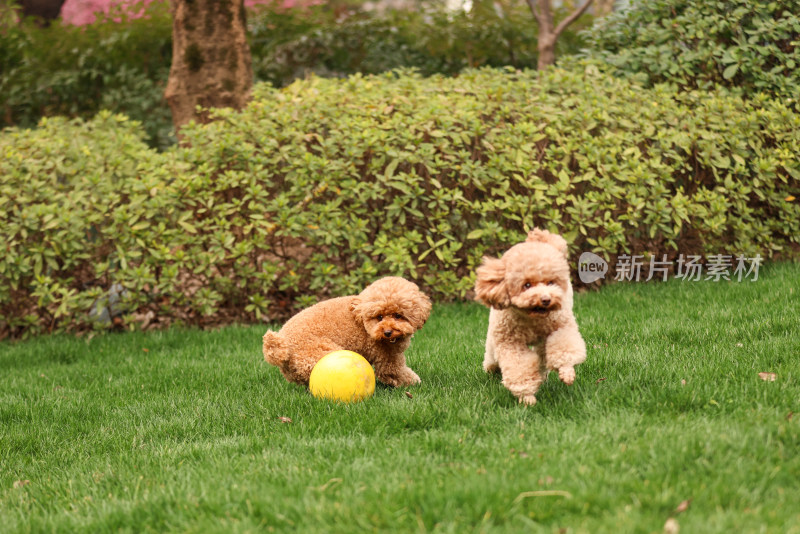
(750, 46)
(318, 188)
(73, 196)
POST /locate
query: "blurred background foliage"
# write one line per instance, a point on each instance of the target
(123, 65)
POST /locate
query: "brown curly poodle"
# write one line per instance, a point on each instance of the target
(378, 324)
(531, 326)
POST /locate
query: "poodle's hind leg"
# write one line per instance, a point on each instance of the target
(521, 369)
(565, 349)
(305, 358)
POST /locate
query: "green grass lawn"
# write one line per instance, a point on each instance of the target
(181, 430)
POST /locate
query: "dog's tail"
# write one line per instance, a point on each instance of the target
(275, 349)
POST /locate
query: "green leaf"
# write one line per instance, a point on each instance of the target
(188, 227)
(730, 71)
(389, 172)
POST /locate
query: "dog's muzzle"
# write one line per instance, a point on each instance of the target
(392, 335)
(544, 307)
(538, 310)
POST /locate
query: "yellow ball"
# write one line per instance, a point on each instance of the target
(342, 375)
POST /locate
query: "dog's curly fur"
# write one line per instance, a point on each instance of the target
(532, 329)
(378, 324)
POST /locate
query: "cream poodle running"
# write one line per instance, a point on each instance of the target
(531, 326)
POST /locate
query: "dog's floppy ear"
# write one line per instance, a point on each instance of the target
(419, 311)
(490, 285)
(554, 240)
(357, 310)
(364, 309)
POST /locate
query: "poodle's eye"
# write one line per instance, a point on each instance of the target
(551, 283)
(527, 285)
(379, 318)
(398, 316)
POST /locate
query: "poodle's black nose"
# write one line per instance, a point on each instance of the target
(387, 333)
(545, 302)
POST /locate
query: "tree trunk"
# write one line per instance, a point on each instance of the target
(547, 38)
(548, 35)
(547, 52)
(211, 65)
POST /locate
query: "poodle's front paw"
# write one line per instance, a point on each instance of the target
(528, 400)
(567, 375)
(410, 378)
(491, 367)
(407, 377)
